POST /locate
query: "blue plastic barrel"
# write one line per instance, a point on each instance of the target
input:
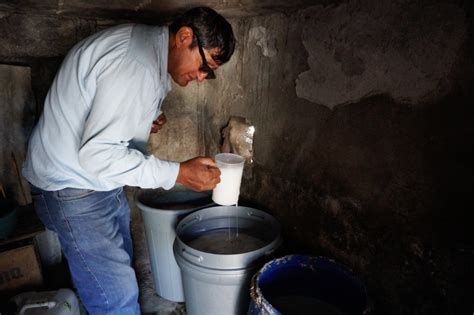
(298, 284)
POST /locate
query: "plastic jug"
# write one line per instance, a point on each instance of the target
(60, 302)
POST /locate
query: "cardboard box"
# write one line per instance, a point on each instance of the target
(19, 269)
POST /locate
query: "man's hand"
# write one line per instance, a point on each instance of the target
(158, 123)
(199, 174)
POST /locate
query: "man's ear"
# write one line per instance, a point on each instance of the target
(184, 37)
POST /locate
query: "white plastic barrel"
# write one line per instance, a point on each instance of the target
(161, 210)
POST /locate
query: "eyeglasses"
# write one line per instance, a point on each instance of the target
(205, 67)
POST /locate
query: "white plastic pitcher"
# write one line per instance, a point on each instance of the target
(227, 191)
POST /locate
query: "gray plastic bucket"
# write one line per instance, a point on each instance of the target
(161, 210)
(216, 283)
(300, 285)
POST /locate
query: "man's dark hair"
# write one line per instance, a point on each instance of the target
(211, 28)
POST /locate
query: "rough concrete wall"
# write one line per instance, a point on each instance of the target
(381, 182)
(358, 49)
(41, 36)
(182, 136)
(16, 118)
(148, 9)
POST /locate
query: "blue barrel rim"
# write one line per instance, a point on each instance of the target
(266, 308)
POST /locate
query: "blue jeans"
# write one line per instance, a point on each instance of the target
(94, 231)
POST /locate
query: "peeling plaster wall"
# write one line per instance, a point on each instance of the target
(360, 48)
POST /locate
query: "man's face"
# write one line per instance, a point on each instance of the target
(185, 64)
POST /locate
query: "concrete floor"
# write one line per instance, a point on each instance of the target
(150, 302)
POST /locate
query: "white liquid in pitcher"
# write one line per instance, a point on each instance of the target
(218, 242)
(227, 191)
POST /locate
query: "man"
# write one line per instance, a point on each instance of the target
(90, 139)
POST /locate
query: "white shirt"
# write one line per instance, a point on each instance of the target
(98, 114)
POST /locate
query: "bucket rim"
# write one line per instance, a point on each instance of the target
(217, 261)
(176, 189)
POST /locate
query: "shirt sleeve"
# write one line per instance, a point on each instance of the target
(125, 90)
